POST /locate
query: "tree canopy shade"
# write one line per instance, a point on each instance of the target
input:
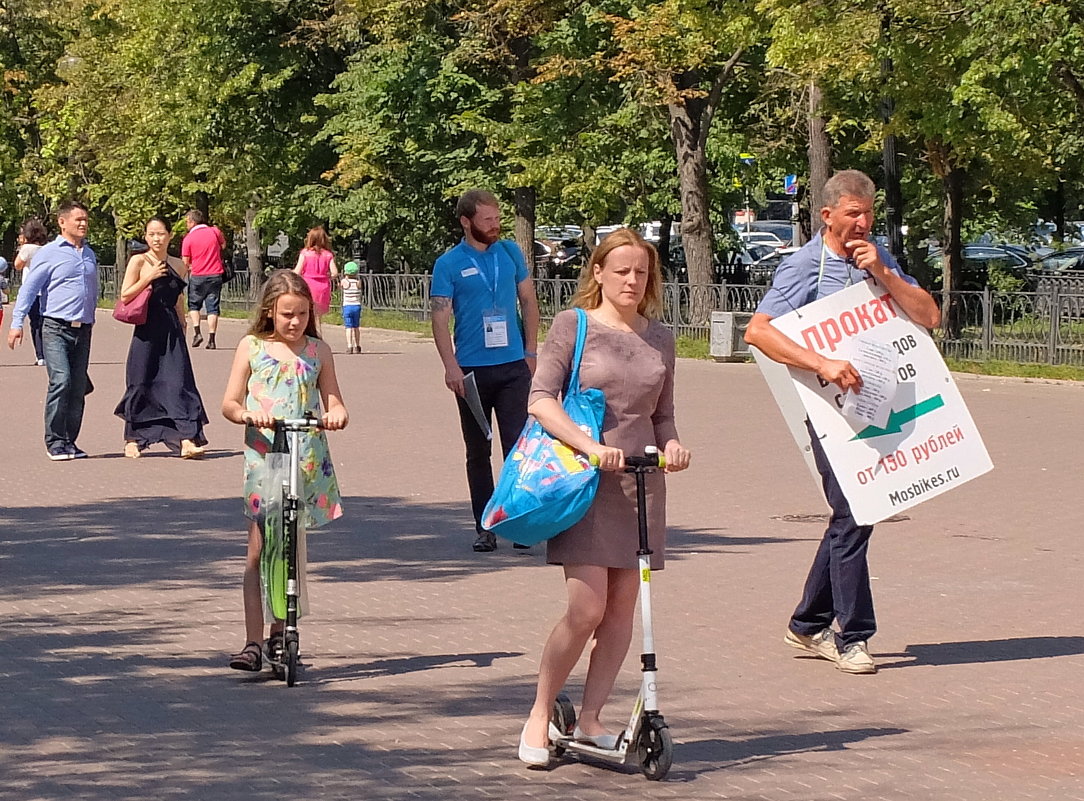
(372, 115)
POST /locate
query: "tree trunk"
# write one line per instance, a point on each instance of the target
(120, 252)
(589, 235)
(1059, 210)
(696, 240)
(820, 157)
(254, 249)
(953, 185)
(893, 193)
(374, 253)
(666, 222)
(525, 223)
(805, 219)
(203, 203)
(893, 201)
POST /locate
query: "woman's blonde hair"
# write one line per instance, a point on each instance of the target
(589, 293)
(279, 283)
(317, 239)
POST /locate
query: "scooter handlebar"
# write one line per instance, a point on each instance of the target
(295, 423)
(655, 459)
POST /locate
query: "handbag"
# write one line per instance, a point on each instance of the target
(229, 272)
(545, 487)
(135, 310)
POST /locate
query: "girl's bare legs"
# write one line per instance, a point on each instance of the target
(612, 639)
(253, 601)
(587, 598)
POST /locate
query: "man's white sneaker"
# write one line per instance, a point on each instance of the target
(855, 658)
(822, 644)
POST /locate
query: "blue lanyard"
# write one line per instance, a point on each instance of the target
(496, 274)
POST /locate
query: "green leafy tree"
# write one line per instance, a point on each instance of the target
(156, 111)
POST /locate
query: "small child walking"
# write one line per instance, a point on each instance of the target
(282, 369)
(351, 287)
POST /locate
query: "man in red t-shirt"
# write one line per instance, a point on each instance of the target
(202, 254)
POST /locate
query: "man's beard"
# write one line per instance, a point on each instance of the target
(485, 237)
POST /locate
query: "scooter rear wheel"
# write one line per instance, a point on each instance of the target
(564, 718)
(655, 749)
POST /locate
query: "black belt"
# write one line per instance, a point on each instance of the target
(67, 323)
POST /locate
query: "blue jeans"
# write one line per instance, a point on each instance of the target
(67, 355)
(35, 318)
(838, 583)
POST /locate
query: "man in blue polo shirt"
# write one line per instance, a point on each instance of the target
(838, 586)
(479, 282)
(66, 274)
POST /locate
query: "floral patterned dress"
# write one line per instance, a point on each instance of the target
(289, 389)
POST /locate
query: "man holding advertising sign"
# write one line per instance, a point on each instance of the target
(842, 255)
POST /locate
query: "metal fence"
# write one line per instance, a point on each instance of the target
(1044, 326)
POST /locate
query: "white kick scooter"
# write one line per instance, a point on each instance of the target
(647, 737)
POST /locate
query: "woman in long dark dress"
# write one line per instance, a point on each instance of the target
(161, 403)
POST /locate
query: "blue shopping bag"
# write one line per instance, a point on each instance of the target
(545, 487)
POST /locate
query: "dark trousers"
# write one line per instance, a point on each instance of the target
(67, 355)
(503, 389)
(35, 318)
(838, 583)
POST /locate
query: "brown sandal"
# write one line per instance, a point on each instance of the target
(250, 658)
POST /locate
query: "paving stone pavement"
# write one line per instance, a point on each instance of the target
(121, 598)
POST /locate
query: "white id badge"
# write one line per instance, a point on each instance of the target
(495, 327)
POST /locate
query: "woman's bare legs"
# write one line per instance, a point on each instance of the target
(612, 638)
(589, 612)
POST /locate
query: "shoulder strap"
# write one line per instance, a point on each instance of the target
(581, 338)
(512, 254)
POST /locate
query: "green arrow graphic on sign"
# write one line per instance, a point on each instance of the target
(897, 419)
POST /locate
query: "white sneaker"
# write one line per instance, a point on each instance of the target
(822, 644)
(856, 659)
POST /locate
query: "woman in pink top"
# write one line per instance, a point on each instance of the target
(316, 264)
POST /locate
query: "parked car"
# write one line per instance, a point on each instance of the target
(749, 238)
(1000, 267)
(1063, 261)
(780, 229)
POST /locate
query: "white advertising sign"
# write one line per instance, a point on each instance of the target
(928, 444)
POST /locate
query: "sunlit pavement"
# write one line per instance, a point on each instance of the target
(121, 600)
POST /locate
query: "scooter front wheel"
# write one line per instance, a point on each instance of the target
(291, 662)
(655, 748)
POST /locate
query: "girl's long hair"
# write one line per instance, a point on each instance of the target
(317, 239)
(589, 293)
(279, 283)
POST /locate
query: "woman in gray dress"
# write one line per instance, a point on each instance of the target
(629, 355)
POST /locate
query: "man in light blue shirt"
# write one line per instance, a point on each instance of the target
(483, 282)
(66, 274)
(838, 585)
